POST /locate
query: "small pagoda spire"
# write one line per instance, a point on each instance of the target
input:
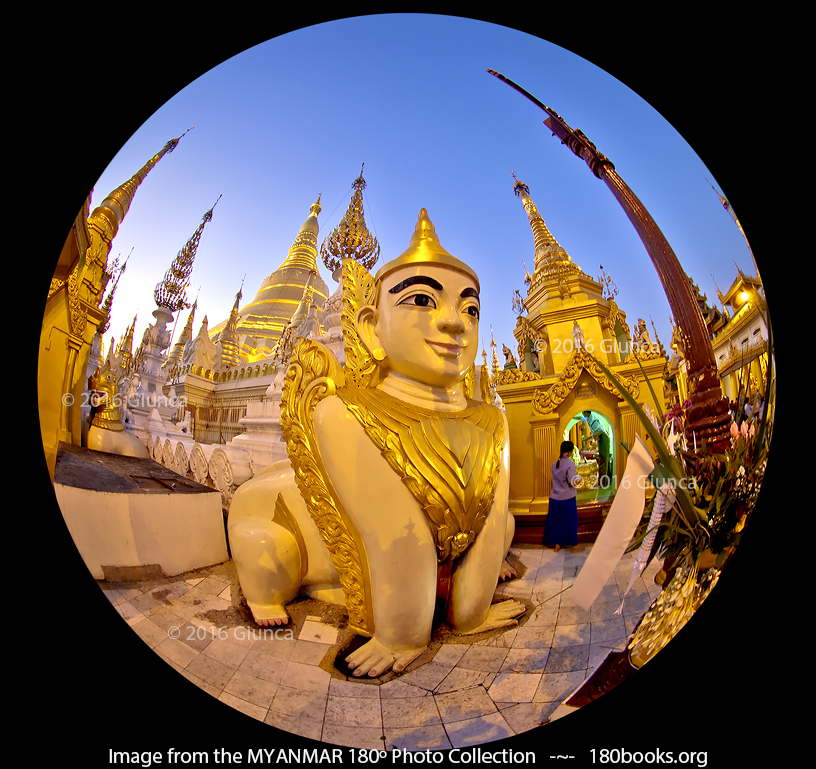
(170, 293)
(548, 252)
(124, 352)
(116, 272)
(228, 338)
(351, 238)
(174, 358)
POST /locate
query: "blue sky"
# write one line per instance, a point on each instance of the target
(409, 96)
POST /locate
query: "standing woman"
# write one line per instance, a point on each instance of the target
(561, 527)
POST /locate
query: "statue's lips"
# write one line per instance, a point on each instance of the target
(446, 350)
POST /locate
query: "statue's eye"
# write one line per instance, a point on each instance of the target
(473, 311)
(420, 300)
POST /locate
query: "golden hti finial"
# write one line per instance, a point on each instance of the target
(171, 292)
(351, 238)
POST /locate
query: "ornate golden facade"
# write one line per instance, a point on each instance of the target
(572, 322)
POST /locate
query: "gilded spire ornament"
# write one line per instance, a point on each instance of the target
(549, 254)
(303, 251)
(104, 221)
(171, 292)
(351, 238)
(116, 272)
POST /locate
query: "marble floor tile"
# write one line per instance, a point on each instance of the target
(485, 658)
(361, 689)
(571, 635)
(554, 687)
(477, 731)
(525, 660)
(608, 630)
(176, 651)
(600, 611)
(354, 711)
(409, 712)
(464, 704)
(417, 738)
(210, 670)
(462, 678)
(251, 689)
(227, 652)
(262, 665)
(532, 637)
(546, 614)
(308, 652)
(364, 737)
(299, 704)
(503, 640)
(398, 689)
(450, 654)
(306, 677)
(247, 708)
(149, 631)
(304, 726)
(567, 658)
(524, 716)
(428, 676)
(514, 687)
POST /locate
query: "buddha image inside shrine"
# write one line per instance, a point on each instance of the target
(408, 415)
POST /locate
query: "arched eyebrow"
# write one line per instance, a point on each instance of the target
(413, 280)
(469, 292)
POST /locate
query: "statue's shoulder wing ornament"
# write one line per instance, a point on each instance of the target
(313, 374)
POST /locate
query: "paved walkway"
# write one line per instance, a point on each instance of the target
(456, 695)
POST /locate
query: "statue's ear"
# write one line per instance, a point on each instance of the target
(366, 321)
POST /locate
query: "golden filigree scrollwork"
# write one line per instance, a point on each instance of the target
(360, 368)
(515, 375)
(77, 313)
(313, 374)
(448, 460)
(546, 401)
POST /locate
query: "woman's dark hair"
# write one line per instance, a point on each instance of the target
(567, 447)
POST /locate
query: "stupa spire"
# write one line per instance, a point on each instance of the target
(170, 293)
(548, 252)
(105, 219)
(303, 252)
(351, 238)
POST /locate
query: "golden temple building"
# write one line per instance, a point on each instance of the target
(557, 391)
(260, 323)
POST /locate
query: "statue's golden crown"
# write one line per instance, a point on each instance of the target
(425, 248)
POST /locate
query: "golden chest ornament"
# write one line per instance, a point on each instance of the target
(448, 460)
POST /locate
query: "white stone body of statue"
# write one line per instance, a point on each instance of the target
(419, 471)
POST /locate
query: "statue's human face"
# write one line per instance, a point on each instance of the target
(428, 323)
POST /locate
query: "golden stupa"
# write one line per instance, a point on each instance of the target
(261, 322)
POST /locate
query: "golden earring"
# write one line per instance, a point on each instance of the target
(378, 354)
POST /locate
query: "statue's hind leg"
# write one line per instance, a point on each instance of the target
(268, 560)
